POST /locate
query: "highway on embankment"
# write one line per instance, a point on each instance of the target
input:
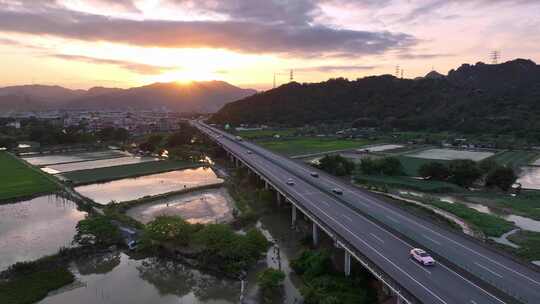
(466, 270)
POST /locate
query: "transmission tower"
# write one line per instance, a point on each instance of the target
(291, 76)
(397, 71)
(402, 73)
(495, 56)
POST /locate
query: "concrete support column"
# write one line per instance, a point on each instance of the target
(266, 186)
(347, 265)
(278, 195)
(293, 220)
(315, 234)
(399, 300)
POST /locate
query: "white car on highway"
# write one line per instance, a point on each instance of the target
(422, 257)
(290, 182)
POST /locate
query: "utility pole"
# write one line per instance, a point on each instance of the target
(495, 55)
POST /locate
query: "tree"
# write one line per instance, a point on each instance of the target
(487, 165)
(169, 229)
(99, 228)
(369, 166)
(502, 177)
(269, 279)
(434, 170)
(336, 165)
(390, 166)
(464, 172)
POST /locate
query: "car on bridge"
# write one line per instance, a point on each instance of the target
(314, 174)
(239, 138)
(290, 182)
(422, 257)
(249, 152)
(337, 191)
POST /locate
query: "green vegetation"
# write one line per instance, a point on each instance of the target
(270, 278)
(411, 165)
(408, 183)
(336, 165)
(215, 244)
(514, 158)
(389, 166)
(323, 285)
(255, 134)
(97, 230)
(18, 180)
(527, 203)
(490, 225)
(529, 243)
(34, 285)
(502, 177)
(123, 171)
(309, 145)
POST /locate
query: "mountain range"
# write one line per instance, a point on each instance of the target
(496, 98)
(199, 97)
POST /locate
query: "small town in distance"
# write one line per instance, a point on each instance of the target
(275, 152)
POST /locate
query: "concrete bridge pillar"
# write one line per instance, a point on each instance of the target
(266, 186)
(315, 234)
(347, 268)
(293, 220)
(278, 195)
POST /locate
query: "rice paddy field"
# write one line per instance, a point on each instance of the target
(517, 158)
(117, 172)
(312, 145)
(17, 179)
(451, 154)
(51, 159)
(93, 164)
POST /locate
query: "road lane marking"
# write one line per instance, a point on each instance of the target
(434, 241)
(392, 219)
(493, 272)
(376, 237)
(369, 199)
(347, 217)
(325, 203)
(473, 302)
(420, 266)
(377, 226)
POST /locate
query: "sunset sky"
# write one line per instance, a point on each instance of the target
(125, 43)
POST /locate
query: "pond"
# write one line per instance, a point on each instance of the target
(206, 206)
(134, 188)
(101, 163)
(116, 278)
(49, 159)
(529, 178)
(37, 227)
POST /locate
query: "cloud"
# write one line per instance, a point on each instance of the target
(240, 36)
(336, 68)
(139, 68)
(422, 56)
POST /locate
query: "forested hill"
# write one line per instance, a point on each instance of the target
(473, 98)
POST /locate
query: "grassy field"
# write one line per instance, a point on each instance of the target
(34, 286)
(16, 179)
(490, 225)
(412, 164)
(515, 158)
(118, 172)
(529, 242)
(253, 134)
(308, 145)
(409, 183)
(526, 204)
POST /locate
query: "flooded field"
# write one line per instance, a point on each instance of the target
(529, 178)
(380, 148)
(37, 227)
(50, 159)
(93, 164)
(207, 206)
(134, 188)
(117, 279)
(450, 154)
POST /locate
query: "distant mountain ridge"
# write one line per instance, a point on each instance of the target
(202, 97)
(473, 98)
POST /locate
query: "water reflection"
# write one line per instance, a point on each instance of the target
(208, 206)
(37, 227)
(134, 188)
(150, 280)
